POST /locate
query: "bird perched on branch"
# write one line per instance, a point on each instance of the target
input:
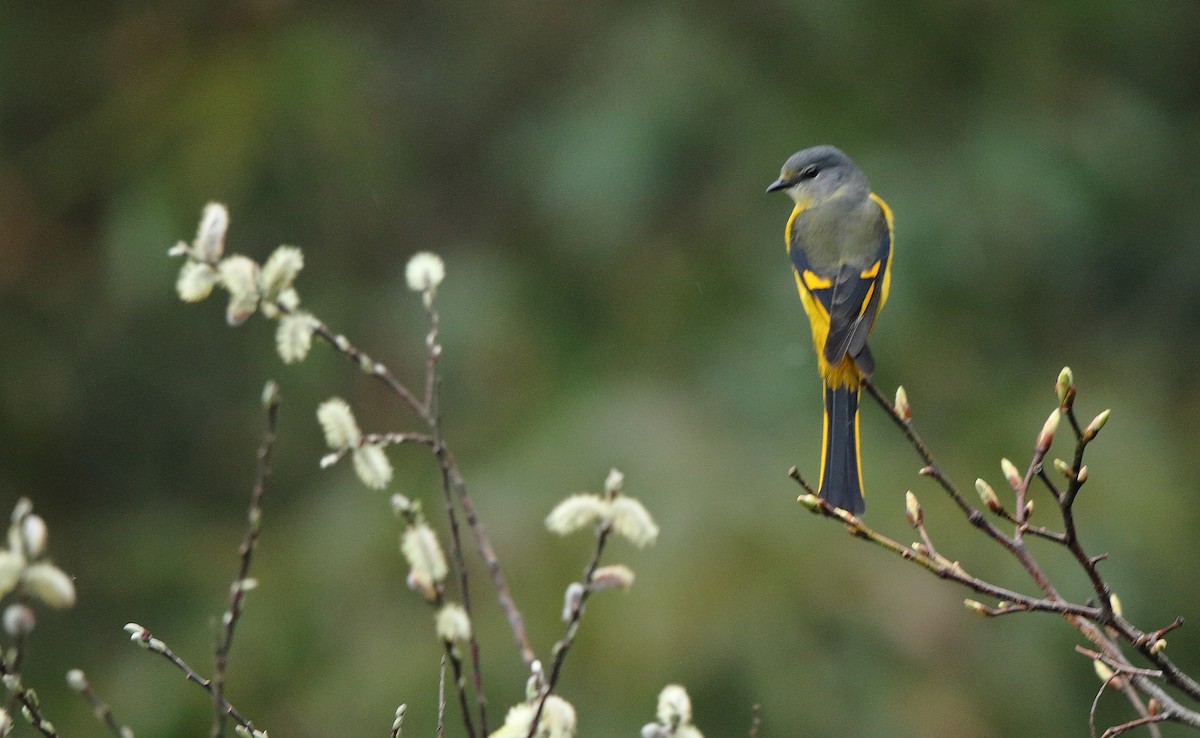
(839, 238)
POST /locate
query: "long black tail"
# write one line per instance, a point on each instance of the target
(841, 477)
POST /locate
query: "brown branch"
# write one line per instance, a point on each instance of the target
(1090, 621)
(342, 345)
(245, 551)
(78, 682)
(576, 613)
(425, 411)
(1135, 723)
(503, 592)
(143, 638)
(946, 569)
(27, 699)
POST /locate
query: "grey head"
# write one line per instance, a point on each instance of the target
(819, 174)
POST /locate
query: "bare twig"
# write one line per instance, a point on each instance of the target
(433, 416)
(1091, 621)
(342, 345)
(245, 552)
(78, 681)
(456, 666)
(441, 713)
(1136, 723)
(146, 640)
(576, 613)
(27, 699)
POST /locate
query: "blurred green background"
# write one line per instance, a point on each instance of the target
(617, 295)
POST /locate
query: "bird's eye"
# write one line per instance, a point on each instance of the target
(809, 171)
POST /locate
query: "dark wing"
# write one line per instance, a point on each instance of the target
(851, 297)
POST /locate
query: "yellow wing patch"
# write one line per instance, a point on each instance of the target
(813, 281)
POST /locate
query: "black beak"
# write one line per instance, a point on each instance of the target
(779, 184)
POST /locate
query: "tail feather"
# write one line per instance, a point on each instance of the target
(841, 475)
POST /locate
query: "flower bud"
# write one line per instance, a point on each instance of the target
(420, 547)
(614, 482)
(293, 337)
(1158, 646)
(77, 680)
(372, 466)
(988, 496)
(239, 275)
(33, 532)
(537, 678)
(632, 520)
(210, 236)
(977, 607)
(424, 272)
(18, 620)
(453, 623)
(1103, 671)
(572, 598)
(1063, 468)
(912, 509)
(613, 576)
(12, 563)
(558, 718)
(1011, 474)
(1065, 387)
(401, 505)
(517, 722)
(674, 706)
(576, 512)
(1115, 603)
(270, 394)
(196, 281)
(337, 422)
(902, 408)
(281, 269)
(135, 631)
(50, 584)
(1048, 429)
(812, 502)
(1097, 423)
(1083, 474)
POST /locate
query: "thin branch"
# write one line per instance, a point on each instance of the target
(576, 613)
(343, 346)
(947, 569)
(1136, 723)
(503, 593)
(1090, 621)
(460, 685)
(441, 713)
(516, 622)
(245, 552)
(1118, 666)
(143, 638)
(433, 416)
(398, 723)
(27, 699)
(78, 681)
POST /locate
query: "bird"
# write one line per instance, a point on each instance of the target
(839, 241)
